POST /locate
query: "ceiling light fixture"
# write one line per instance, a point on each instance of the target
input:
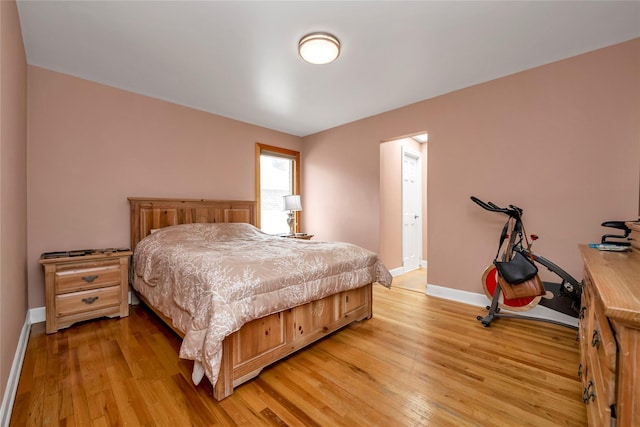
(319, 48)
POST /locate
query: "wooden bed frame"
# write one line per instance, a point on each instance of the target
(263, 341)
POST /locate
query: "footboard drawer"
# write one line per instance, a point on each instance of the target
(258, 337)
(355, 300)
(313, 318)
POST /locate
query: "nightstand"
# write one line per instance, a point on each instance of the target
(303, 236)
(83, 285)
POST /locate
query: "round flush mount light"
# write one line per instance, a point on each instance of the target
(319, 48)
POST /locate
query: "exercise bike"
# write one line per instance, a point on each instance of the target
(563, 296)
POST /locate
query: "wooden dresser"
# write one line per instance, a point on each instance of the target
(610, 337)
(85, 287)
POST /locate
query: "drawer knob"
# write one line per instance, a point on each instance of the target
(595, 339)
(89, 300)
(89, 279)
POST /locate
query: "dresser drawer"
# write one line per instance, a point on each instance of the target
(598, 358)
(597, 387)
(87, 301)
(585, 327)
(584, 332)
(603, 341)
(84, 276)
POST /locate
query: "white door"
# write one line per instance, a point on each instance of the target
(411, 209)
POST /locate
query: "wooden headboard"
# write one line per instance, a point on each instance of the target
(149, 214)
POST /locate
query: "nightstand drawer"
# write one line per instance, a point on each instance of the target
(87, 301)
(72, 278)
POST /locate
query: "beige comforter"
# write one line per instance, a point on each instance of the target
(210, 279)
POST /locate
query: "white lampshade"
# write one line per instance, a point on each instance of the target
(292, 203)
(319, 48)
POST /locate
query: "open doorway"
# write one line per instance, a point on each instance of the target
(411, 209)
(403, 213)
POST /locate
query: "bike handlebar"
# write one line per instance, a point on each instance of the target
(512, 210)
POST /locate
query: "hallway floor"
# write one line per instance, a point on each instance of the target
(414, 280)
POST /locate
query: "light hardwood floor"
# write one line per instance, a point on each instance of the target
(414, 280)
(420, 361)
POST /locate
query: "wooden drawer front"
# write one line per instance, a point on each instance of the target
(585, 316)
(354, 299)
(595, 392)
(72, 278)
(313, 317)
(585, 344)
(600, 372)
(602, 339)
(586, 327)
(87, 301)
(258, 336)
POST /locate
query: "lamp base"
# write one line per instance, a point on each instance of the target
(292, 223)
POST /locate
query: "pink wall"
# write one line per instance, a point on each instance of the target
(91, 146)
(13, 187)
(561, 141)
(391, 203)
(88, 144)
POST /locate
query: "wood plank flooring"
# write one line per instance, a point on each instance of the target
(420, 361)
(414, 280)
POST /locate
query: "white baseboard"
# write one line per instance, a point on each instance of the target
(466, 297)
(396, 271)
(401, 270)
(37, 315)
(481, 300)
(14, 376)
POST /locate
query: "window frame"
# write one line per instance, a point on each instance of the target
(277, 152)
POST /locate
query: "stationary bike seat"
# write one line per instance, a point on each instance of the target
(620, 225)
(615, 224)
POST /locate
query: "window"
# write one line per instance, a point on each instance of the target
(277, 175)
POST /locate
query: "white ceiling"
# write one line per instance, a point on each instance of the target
(239, 59)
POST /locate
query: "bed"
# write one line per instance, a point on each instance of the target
(191, 258)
